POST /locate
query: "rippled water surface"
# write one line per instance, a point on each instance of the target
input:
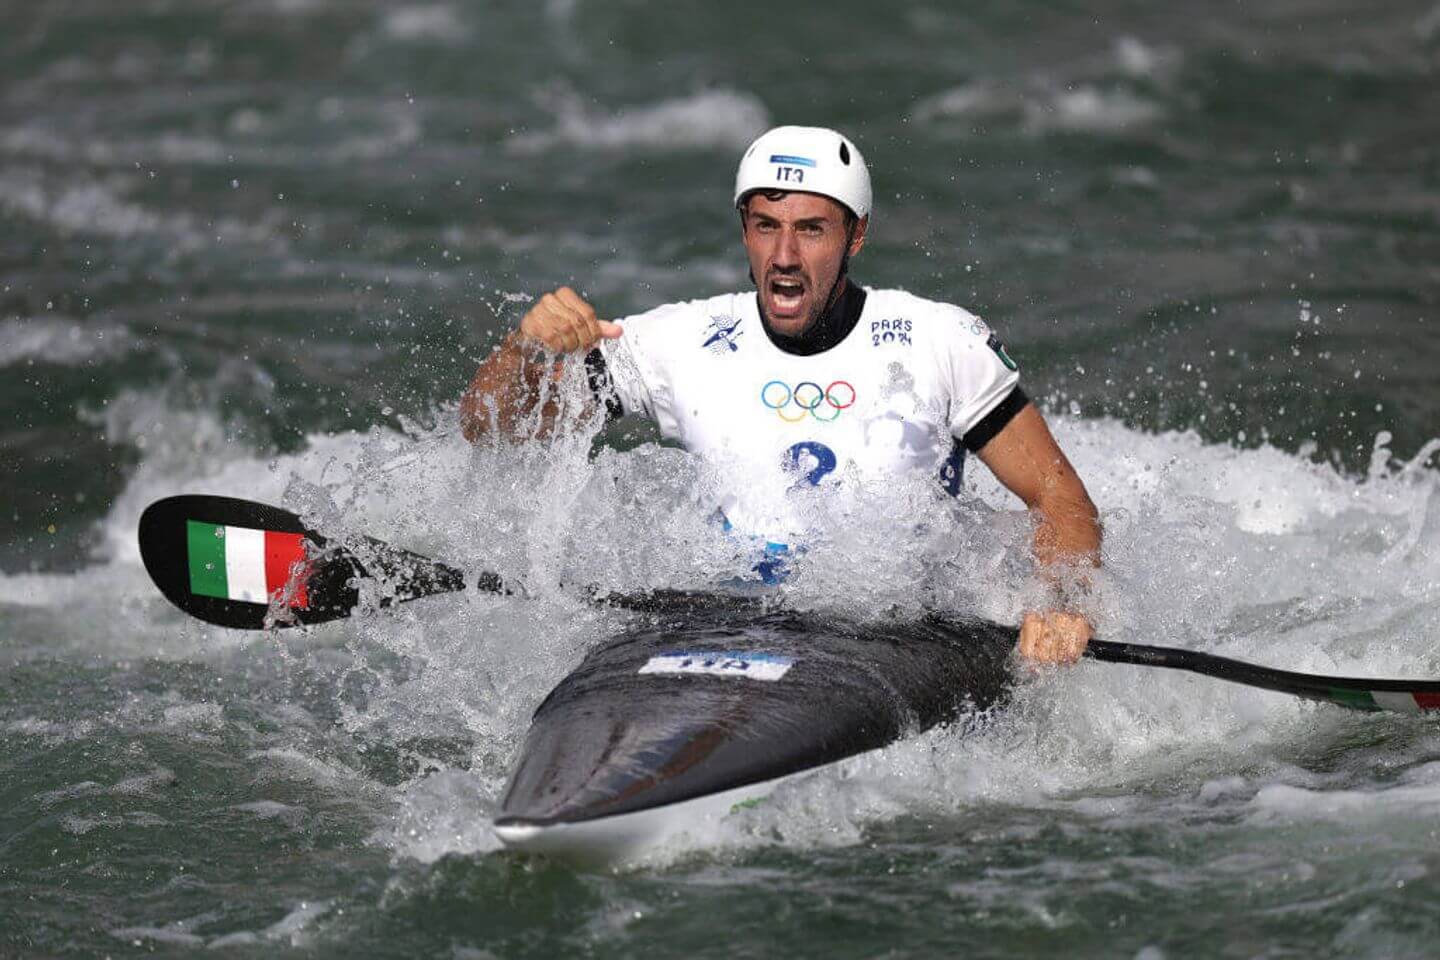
(256, 248)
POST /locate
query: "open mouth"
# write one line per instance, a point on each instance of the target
(786, 294)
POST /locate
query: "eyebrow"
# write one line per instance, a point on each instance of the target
(803, 222)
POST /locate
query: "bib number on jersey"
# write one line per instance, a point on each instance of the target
(813, 458)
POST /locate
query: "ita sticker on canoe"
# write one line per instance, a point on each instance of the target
(754, 666)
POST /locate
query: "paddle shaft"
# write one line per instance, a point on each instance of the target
(1360, 693)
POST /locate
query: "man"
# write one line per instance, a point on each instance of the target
(814, 375)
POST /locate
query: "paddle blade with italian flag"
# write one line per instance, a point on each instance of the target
(251, 566)
(242, 563)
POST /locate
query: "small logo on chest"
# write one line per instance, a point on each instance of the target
(883, 332)
(724, 331)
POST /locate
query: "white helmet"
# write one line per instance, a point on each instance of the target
(806, 159)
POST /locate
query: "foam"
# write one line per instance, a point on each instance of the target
(1091, 109)
(1255, 553)
(86, 207)
(359, 130)
(429, 22)
(293, 764)
(1123, 91)
(1415, 793)
(292, 929)
(143, 784)
(61, 341)
(1251, 553)
(174, 936)
(97, 207)
(194, 716)
(721, 119)
(442, 814)
(1086, 108)
(271, 810)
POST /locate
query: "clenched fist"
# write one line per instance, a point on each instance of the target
(565, 323)
(1054, 637)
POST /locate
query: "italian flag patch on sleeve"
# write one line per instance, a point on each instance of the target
(238, 563)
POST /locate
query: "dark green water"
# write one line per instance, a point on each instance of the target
(257, 248)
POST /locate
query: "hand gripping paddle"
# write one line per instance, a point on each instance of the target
(231, 562)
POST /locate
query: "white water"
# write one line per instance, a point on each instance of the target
(723, 119)
(1257, 554)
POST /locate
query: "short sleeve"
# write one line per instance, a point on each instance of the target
(637, 373)
(981, 374)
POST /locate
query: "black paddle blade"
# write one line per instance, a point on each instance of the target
(250, 566)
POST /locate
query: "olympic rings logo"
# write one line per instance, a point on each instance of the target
(808, 398)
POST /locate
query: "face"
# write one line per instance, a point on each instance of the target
(795, 245)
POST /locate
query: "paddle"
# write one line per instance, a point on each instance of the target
(223, 560)
(249, 566)
(1358, 693)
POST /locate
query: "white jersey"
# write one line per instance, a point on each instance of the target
(912, 378)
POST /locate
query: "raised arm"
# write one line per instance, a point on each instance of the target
(506, 388)
(1027, 460)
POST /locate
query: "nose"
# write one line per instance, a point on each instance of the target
(787, 249)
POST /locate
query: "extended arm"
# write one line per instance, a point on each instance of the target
(1027, 460)
(506, 388)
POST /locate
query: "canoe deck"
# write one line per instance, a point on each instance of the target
(699, 701)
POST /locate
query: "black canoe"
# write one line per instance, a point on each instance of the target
(712, 700)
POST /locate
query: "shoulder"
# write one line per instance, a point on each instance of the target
(933, 317)
(683, 316)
